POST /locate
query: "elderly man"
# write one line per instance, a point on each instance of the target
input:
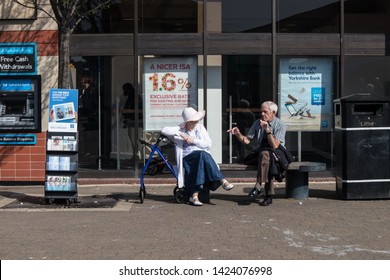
(269, 132)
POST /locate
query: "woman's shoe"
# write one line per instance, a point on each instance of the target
(195, 201)
(226, 185)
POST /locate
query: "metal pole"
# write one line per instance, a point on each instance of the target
(331, 148)
(299, 146)
(100, 121)
(230, 126)
(136, 87)
(274, 87)
(118, 162)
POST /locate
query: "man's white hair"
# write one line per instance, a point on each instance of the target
(271, 105)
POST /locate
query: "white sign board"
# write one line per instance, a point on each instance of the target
(169, 86)
(306, 93)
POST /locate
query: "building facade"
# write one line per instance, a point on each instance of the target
(301, 54)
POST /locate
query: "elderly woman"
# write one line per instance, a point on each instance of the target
(195, 163)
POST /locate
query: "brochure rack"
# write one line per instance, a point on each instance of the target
(61, 166)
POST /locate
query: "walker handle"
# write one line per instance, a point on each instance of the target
(143, 142)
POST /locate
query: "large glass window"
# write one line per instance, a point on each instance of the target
(85, 75)
(118, 18)
(302, 16)
(362, 16)
(367, 74)
(232, 16)
(247, 83)
(155, 16)
(173, 16)
(110, 79)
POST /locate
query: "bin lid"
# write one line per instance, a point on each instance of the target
(363, 97)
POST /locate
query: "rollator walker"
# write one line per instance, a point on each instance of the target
(155, 166)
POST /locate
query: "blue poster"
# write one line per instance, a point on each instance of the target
(306, 93)
(63, 107)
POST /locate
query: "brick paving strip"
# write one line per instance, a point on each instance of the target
(231, 227)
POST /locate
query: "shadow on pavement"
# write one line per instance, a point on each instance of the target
(242, 199)
(22, 201)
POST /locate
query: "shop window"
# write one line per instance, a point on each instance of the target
(174, 16)
(231, 16)
(367, 75)
(302, 16)
(155, 16)
(246, 84)
(367, 16)
(118, 18)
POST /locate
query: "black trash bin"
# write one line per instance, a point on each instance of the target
(362, 138)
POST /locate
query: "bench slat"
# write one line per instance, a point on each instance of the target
(307, 166)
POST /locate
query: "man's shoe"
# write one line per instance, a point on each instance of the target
(254, 193)
(267, 201)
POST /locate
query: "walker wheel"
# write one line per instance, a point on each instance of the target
(181, 195)
(71, 201)
(142, 194)
(49, 200)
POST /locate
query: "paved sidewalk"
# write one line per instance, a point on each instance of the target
(109, 222)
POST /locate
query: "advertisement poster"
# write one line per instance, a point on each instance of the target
(18, 59)
(170, 85)
(60, 183)
(306, 93)
(63, 108)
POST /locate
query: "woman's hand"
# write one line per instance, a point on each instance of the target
(187, 138)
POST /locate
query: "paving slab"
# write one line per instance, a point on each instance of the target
(231, 227)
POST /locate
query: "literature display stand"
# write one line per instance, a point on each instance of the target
(61, 166)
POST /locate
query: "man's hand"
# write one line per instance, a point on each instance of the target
(234, 130)
(264, 125)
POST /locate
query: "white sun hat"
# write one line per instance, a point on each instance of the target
(191, 115)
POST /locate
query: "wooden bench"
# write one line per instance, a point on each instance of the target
(297, 178)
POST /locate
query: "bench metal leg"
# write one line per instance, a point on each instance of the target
(297, 184)
(204, 196)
